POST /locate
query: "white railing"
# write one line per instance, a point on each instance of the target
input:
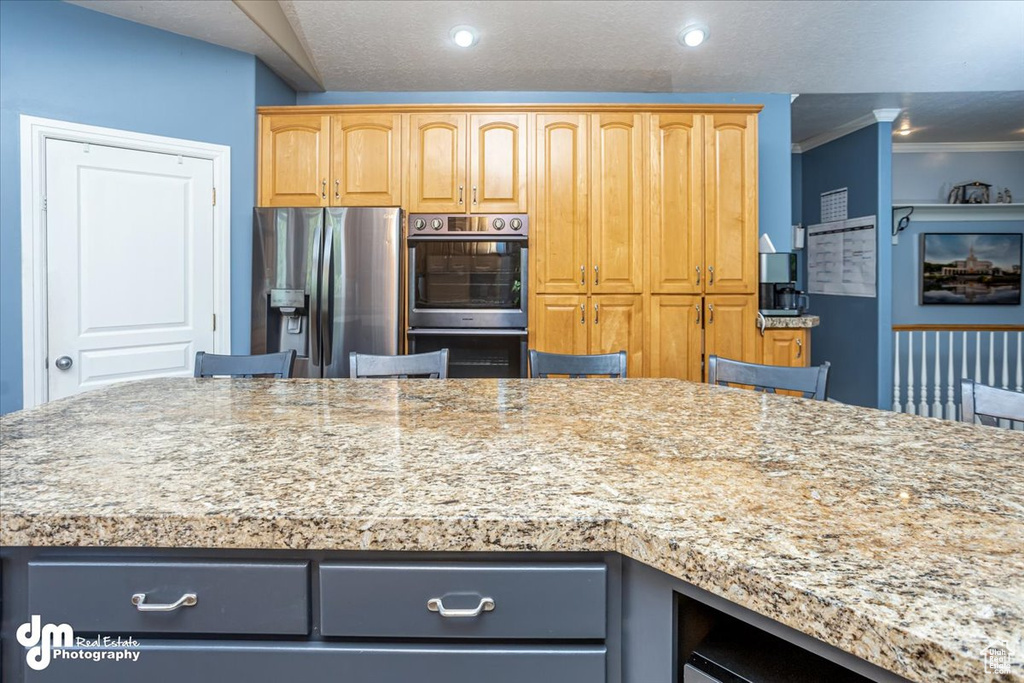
(930, 360)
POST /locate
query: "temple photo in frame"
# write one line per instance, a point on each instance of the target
(971, 268)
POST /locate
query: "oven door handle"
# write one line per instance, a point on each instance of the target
(478, 237)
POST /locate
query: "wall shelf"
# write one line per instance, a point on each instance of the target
(925, 211)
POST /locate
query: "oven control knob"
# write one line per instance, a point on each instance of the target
(515, 224)
(419, 224)
(498, 224)
(436, 224)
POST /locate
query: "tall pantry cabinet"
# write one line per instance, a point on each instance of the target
(671, 229)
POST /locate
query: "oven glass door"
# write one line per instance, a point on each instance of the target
(481, 278)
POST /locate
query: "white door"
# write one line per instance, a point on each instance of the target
(129, 261)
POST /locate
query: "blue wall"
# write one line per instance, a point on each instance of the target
(849, 334)
(773, 124)
(928, 176)
(64, 62)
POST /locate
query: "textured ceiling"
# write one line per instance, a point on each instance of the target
(932, 117)
(215, 21)
(769, 46)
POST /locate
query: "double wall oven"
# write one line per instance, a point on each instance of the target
(467, 291)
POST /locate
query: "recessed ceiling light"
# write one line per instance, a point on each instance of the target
(464, 36)
(904, 131)
(693, 35)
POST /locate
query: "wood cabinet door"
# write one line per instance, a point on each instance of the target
(677, 204)
(676, 337)
(559, 231)
(437, 163)
(294, 153)
(730, 327)
(560, 324)
(617, 325)
(497, 163)
(366, 160)
(787, 347)
(730, 203)
(616, 204)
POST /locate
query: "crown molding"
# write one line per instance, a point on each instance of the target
(793, 96)
(924, 147)
(885, 115)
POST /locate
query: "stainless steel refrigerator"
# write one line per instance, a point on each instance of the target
(326, 282)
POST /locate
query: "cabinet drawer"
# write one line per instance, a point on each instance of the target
(529, 601)
(232, 597)
(197, 662)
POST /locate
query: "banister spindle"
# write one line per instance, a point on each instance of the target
(910, 374)
(950, 401)
(923, 405)
(937, 389)
(896, 407)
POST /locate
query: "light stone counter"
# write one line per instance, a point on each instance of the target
(896, 538)
(773, 322)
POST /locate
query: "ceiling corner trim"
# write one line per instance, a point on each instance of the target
(796, 148)
(836, 133)
(271, 19)
(925, 147)
(886, 115)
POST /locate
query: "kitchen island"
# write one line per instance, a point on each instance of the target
(890, 540)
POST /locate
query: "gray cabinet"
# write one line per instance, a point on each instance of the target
(463, 600)
(231, 597)
(212, 662)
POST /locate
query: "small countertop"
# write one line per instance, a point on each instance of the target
(775, 322)
(896, 538)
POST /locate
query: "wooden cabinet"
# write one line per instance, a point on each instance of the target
(704, 226)
(497, 163)
(560, 231)
(730, 327)
(618, 326)
(677, 208)
(605, 323)
(786, 346)
(366, 160)
(560, 324)
(616, 203)
(676, 337)
(339, 160)
(437, 163)
(294, 160)
(730, 203)
(491, 147)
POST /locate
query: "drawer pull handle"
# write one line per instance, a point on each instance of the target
(186, 600)
(436, 605)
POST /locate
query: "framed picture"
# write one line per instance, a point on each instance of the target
(971, 268)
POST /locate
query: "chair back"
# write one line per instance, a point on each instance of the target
(432, 365)
(266, 365)
(601, 364)
(989, 404)
(810, 382)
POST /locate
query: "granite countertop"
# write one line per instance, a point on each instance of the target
(774, 322)
(896, 538)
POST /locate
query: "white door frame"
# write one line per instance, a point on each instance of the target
(35, 132)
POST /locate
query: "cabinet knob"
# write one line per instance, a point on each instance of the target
(583, 275)
(596, 279)
(337, 189)
(474, 194)
(595, 313)
(711, 314)
(323, 189)
(696, 307)
(698, 275)
(460, 194)
(799, 348)
(583, 314)
(711, 275)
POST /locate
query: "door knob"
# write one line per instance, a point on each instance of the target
(64, 363)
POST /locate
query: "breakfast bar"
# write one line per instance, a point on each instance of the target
(606, 514)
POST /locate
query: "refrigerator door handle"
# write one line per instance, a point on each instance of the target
(326, 326)
(314, 300)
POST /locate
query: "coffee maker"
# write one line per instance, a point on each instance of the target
(778, 292)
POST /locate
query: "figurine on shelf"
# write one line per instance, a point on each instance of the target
(1007, 198)
(974, 192)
